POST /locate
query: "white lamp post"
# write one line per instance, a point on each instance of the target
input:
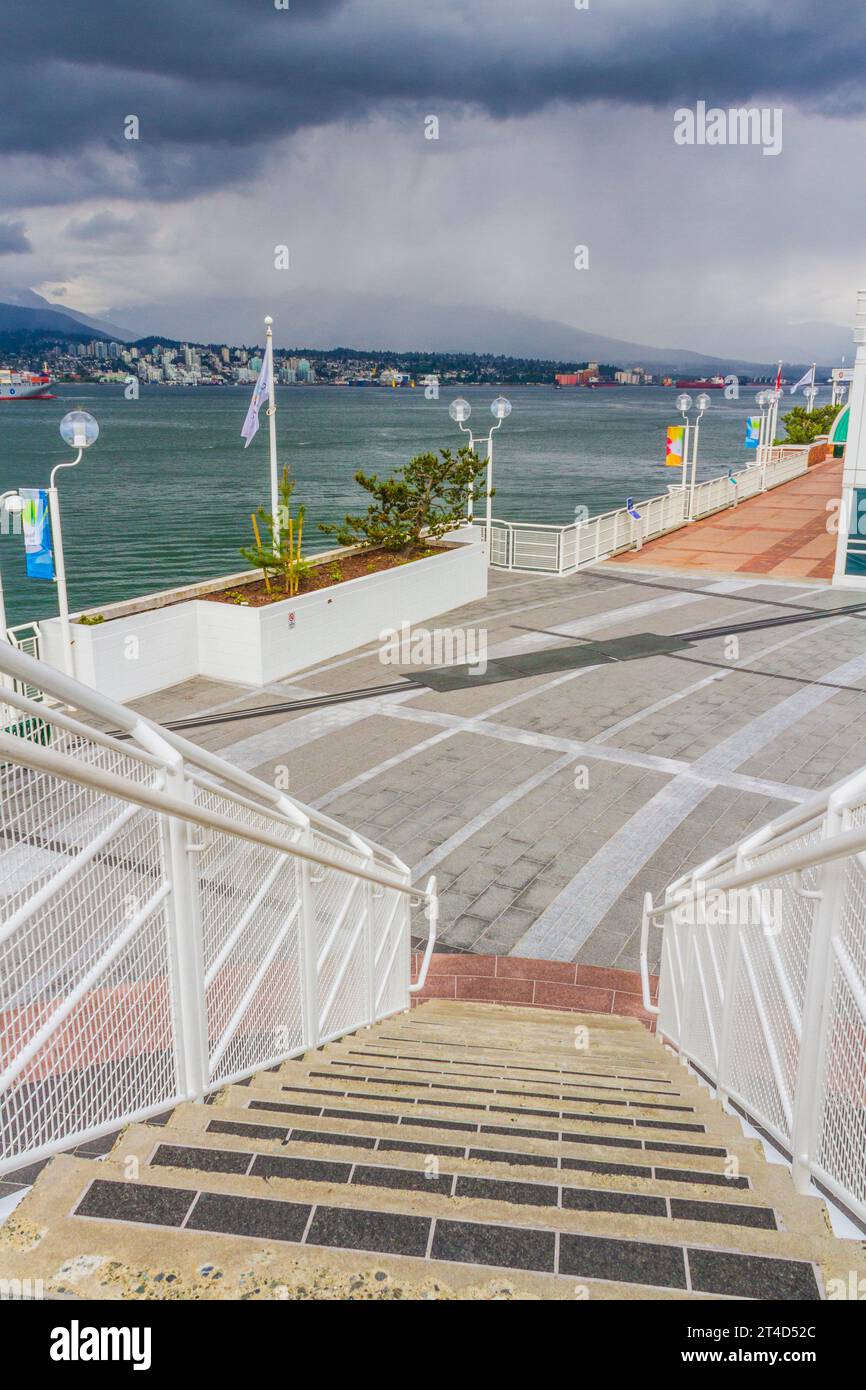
(810, 393)
(460, 411)
(684, 404)
(762, 401)
(773, 398)
(79, 430)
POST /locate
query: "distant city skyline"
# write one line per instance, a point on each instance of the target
(301, 136)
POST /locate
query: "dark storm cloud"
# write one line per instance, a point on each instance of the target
(214, 82)
(13, 239)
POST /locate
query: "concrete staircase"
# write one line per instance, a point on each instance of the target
(462, 1151)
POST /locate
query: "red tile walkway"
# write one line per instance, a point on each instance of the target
(540, 984)
(783, 534)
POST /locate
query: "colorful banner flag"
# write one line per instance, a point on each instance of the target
(251, 423)
(753, 431)
(36, 524)
(676, 440)
(632, 509)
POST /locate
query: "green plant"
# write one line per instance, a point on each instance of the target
(427, 497)
(803, 428)
(280, 556)
(236, 596)
(91, 619)
(336, 574)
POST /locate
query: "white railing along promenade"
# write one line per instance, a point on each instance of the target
(168, 923)
(763, 983)
(535, 546)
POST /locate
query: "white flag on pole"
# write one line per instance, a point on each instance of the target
(805, 380)
(251, 423)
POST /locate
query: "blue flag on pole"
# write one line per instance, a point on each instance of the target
(36, 523)
(753, 431)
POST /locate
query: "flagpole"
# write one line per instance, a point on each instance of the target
(272, 432)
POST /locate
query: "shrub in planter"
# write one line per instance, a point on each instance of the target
(803, 428)
(424, 500)
(280, 556)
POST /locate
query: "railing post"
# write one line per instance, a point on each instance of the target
(811, 1087)
(688, 976)
(308, 959)
(189, 1006)
(369, 957)
(732, 965)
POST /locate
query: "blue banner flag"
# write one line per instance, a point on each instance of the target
(36, 523)
(753, 431)
(632, 509)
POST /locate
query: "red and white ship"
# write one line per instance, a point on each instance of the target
(24, 386)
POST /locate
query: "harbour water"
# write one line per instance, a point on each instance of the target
(165, 495)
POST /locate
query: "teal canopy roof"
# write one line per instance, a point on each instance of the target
(839, 432)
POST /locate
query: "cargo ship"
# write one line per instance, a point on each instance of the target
(24, 386)
(704, 383)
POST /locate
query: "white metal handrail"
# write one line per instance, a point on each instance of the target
(168, 923)
(542, 546)
(763, 983)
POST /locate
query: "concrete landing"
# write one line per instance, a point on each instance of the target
(549, 803)
(783, 534)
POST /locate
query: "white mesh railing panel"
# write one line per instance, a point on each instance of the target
(763, 986)
(841, 1126)
(153, 949)
(341, 941)
(86, 1027)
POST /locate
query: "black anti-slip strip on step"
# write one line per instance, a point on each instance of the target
(409, 1041)
(509, 1066)
(465, 1242)
(482, 1091)
(647, 1079)
(469, 1127)
(468, 1076)
(294, 1108)
(466, 1061)
(307, 1136)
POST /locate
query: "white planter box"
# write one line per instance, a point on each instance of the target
(153, 643)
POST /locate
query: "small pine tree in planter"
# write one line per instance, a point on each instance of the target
(803, 428)
(280, 556)
(423, 501)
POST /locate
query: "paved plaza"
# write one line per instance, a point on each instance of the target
(548, 802)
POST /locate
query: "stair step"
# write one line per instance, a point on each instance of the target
(438, 1238)
(361, 1136)
(457, 1185)
(471, 1064)
(469, 1125)
(441, 1097)
(572, 1093)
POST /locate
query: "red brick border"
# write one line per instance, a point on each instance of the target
(540, 984)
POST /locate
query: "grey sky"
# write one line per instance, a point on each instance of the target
(306, 127)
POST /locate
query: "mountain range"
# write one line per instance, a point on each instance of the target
(328, 319)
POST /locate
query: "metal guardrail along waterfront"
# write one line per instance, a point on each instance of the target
(535, 546)
(763, 983)
(168, 923)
